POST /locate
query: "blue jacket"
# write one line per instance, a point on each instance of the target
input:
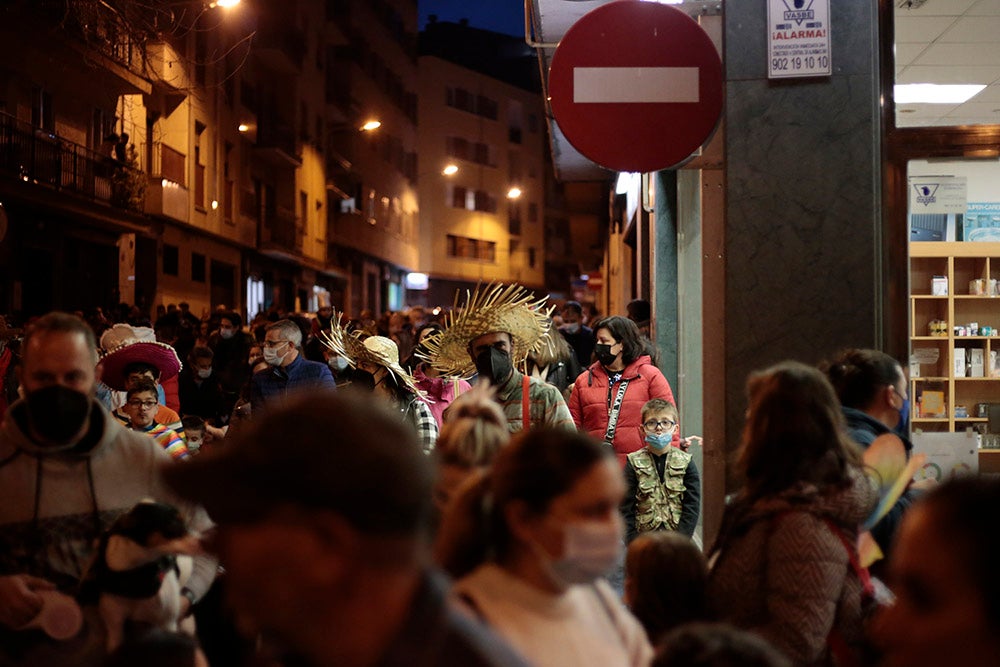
(863, 429)
(272, 385)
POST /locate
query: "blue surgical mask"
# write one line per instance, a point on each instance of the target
(903, 427)
(660, 441)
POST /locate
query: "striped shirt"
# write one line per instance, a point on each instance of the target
(168, 439)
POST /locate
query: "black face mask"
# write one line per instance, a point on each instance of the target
(57, 414)
(363, 380)
(603, 352)
(494, 365)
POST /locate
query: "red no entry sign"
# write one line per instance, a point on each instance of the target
(636, 86)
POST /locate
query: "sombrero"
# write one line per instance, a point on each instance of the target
(490, 308)
(124, 344)
(358, 349)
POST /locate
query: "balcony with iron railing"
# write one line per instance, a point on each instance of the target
(280, 44)
(281, 233)
(276, 142)
(166, 193)
(35, 156)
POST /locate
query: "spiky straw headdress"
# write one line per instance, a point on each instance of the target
(356, 348)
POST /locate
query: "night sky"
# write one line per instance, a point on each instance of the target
(505, 16)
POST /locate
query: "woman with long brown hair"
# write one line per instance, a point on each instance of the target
(786, 565)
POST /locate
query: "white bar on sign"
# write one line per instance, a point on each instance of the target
(605, 85)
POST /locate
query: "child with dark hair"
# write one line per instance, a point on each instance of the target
(194, 429)
(140, 406)
(716, 645)
(665, 579)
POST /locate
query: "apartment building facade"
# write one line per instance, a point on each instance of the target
(484, 220)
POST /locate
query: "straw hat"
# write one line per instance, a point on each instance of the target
(124, 344)
(377, 350)
(491, 308)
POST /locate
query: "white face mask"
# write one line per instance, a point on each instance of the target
(337, 363)
(271, 356)
(227, 333)
(573, 328)
(204, 373)
(591, 549)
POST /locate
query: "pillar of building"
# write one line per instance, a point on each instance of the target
(802, 196)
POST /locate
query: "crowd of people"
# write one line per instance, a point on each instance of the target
(505, 483)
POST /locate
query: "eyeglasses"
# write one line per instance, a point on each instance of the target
(274, 343)
(143, 404)
(652, 424)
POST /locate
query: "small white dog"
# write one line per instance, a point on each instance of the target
(135, 574)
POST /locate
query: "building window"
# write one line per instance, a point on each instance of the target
(485, 202)
(198, 267)
(462, 247)
(199, 168)
(532, 212)
(481, 105)
(171, 260)
(514, 219)
(531, 258)
(486, 106)
(42, 114)
(459, 197)
(532, 123)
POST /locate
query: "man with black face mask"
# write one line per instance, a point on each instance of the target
(490, 336)
(68, 469)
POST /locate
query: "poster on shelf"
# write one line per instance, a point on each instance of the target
(981, 222)
(948, 454)
(938, 194)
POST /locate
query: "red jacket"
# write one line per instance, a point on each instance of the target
(589, 403)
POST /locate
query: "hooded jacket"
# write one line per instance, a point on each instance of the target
(780, 569)
(55, 505)
(590, 403)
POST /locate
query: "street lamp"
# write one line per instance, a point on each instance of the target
(371, 125)
(225, 4)
(450, 170)
(514, 192)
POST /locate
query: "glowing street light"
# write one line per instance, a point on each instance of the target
(225, 4)
(514, 193)
(371, 125)
(243, 127)
(450, 170)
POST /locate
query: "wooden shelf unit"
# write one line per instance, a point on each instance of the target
(960, 262)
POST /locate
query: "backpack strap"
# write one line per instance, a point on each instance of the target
(525, 402)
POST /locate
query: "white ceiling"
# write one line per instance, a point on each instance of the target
(949, 41)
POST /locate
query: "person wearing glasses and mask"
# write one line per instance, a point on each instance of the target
(287, 372)
(664, 486)
(529, 543)
(871, 387)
